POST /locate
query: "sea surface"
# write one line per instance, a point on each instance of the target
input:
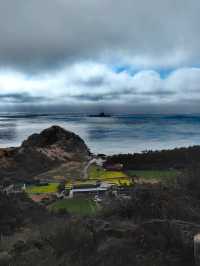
(109, 135)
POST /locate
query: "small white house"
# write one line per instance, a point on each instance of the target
(102, 188)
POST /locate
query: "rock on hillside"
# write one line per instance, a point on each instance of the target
(57, 144)
(42, 152)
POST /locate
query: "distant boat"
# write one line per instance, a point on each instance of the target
(102, 114)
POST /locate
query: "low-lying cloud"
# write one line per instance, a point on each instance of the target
(92, 83)
(134, 56)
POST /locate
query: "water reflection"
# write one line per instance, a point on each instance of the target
(7, 132)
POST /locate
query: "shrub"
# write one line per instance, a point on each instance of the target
(190, 179)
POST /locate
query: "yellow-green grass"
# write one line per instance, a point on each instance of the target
(123, 181)
(156, 174)
(120, 181)
(50, 188)
(70, 183)
(167, 177)
(75, 206)
(97, 173)
(114, 177)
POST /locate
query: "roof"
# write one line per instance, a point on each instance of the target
(38, 198)
(89, 189)
(85, 186)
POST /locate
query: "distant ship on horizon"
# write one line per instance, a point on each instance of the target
(102, 114)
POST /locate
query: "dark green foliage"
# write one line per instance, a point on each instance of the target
(75, 240)
(155, 202)
(154, 243)
(61, 187)
(10, 215)
(16, 210)
(190, 180)
(179, 158)
(155, 227)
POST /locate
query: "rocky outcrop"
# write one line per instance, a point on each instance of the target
(42, 152)
(59, 137)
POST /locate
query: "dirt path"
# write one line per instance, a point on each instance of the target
(97, 161)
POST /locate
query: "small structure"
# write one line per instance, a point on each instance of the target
(97, 189)
(62, 195)
(39, 198)
(197, 249)
(97, 199)
(12, 189)
(114, 167)
(24, 187)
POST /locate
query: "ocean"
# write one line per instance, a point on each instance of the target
(108, 135)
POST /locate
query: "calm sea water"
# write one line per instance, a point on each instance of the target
(117, 134)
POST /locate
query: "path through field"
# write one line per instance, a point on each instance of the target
(97, 161)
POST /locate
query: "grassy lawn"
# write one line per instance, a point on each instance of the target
(115, 177)
(115, 181)
(50, 188)
(96, 172)
(75, 206)
(164, 176)
(157, 174)
(119, 181)
(69, 184)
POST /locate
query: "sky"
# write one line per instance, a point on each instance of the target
(131, 56)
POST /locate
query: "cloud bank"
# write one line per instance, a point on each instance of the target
(41, 34)
(97, 84)
(134, 56)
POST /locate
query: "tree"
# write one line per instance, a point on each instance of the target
(61, 187)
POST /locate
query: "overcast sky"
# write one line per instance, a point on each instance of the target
(113, 55)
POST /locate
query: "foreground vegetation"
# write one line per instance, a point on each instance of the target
(179, 158)
(154, 228)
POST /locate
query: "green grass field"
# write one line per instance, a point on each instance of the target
(75, 206)
(156, 174)
(96, 172)
(163, 176)
(115, 177)
(50, 188)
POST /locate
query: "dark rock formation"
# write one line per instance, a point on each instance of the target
(42, 152)
(60, 137)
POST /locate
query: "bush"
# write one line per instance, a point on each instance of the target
(190, 180)
(73, 240)
(155, 202)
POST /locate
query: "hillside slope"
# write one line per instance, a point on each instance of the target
(42, 152)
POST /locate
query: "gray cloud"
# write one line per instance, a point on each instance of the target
(20, 98)
(99, 97)
(61, 54)
(43, 34)
(92, 83)
(160, 93)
